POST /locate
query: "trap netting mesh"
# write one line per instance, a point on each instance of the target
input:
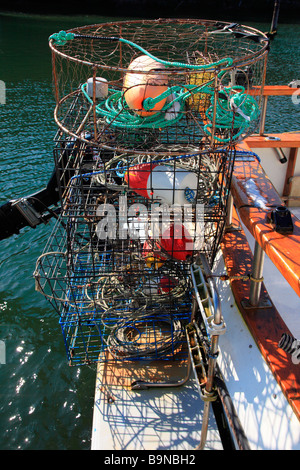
(144, 157)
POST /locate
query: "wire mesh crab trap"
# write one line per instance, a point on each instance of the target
(117, 266)
(148, 115)
(149, 85)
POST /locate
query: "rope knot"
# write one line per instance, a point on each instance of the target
(61, 38)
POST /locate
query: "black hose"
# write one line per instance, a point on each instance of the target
(229, 410)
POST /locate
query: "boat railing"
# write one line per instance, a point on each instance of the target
(280, 247)
(209, 306)
(280, 243)
(270, 90)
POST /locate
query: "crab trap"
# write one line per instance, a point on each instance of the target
(148, 114)
(117, 266)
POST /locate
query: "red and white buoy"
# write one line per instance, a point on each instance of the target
(172, 186)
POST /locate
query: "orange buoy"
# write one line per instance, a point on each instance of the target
(139, 86)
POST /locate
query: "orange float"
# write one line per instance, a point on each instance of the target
(144, 83)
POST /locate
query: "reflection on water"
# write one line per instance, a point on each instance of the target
(45, 404)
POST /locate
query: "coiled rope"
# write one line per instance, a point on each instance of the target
(118, 114)
(121, 345)
(233, 111)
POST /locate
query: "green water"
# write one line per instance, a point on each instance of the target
(45, 404)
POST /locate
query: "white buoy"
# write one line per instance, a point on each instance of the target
(101, 87)
(174, 109)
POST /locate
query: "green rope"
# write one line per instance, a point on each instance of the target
(118, 114)
(228, 61)
(180, 95)
(61, 38)
(236, 111)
